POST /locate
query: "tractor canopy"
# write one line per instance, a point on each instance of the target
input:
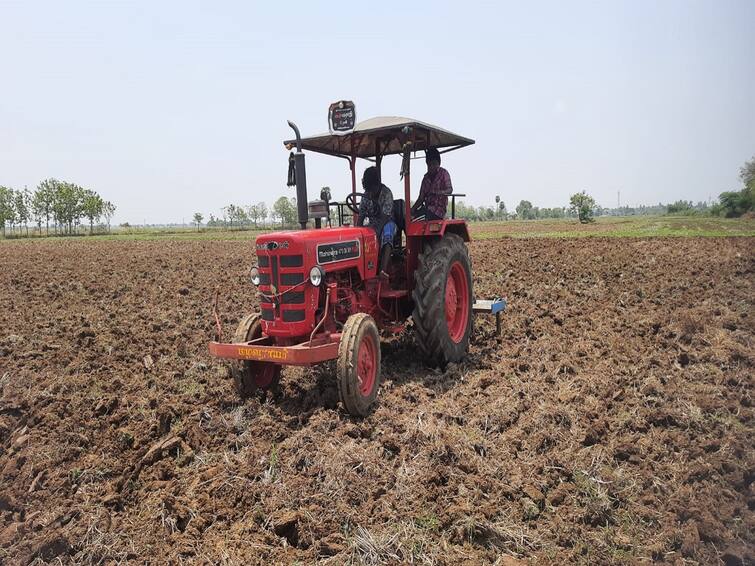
(384, 135)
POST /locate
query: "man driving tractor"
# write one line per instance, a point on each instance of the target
(375, 210)
(433, 194)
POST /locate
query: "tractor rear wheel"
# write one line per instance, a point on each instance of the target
(359, 364)
(252, 376)
(443, 301)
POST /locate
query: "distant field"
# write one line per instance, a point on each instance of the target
(619, 227)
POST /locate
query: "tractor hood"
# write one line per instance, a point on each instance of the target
(285, 259)
(327, 247)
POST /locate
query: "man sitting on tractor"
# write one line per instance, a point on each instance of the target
(375, 210)
(433, 194)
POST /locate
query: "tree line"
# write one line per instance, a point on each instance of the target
(257, 215)
(582, 206)
(236, 216)
(59, 205)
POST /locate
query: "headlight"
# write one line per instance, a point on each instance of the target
(315, 275)
(254, 275)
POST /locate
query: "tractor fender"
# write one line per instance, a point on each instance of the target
(438, 228)
(459, 228)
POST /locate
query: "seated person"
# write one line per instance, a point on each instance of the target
(375, 210)
(433, 194)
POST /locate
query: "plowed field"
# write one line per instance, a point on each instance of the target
(612, 424)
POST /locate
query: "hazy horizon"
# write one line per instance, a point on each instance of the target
(177, 108)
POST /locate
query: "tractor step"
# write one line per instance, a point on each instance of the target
(393, 294)
(488, 306)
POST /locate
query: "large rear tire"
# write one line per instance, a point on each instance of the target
(249, 377)
(359, 364)
(443, 301)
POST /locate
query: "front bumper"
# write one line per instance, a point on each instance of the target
(261, 350)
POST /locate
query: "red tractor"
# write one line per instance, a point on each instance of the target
(321, 294)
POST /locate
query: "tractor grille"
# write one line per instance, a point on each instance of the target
(290, 306)
(292, 278)
(292, 260)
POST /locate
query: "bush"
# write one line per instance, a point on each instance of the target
(737, 203)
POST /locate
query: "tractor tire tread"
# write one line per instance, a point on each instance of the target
(249, 328)
(429, 300)
(352, 333)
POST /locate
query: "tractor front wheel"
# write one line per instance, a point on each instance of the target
(359, 364)
(443, 301)
(252, 376)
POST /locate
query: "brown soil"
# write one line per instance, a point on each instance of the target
(613, 424)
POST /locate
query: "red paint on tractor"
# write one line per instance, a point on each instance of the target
(289, 302)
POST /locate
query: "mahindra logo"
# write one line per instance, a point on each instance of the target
(272, 246)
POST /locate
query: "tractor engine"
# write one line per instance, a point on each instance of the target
(295, 270)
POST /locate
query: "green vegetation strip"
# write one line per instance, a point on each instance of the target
(611, 227)
(626, 227)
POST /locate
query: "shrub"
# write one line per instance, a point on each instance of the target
(583, 205)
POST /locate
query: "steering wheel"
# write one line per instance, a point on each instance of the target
(351, 202)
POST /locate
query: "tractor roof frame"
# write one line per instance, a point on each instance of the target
(385, 135)
(375, 138)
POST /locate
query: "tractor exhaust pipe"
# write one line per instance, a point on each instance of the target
(301, 180)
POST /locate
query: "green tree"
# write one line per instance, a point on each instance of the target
(262, 211)
(229, 213)
(485, 213)
(736, 203)
(502, 210)
(747, 173)
(252, 212)
(234, 214)
(525, 210)
(198, 219)
(108, 211)
(7, 212)
(284, 210)
(583, 205)
(241, 216)
(466, 212)
(43, 200)
(92, 207)
(22, 209)
(66, 206)
(679, 207)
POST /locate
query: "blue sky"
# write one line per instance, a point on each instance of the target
(168, 108)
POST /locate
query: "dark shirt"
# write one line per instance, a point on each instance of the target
(378, 207)
(435, 190)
